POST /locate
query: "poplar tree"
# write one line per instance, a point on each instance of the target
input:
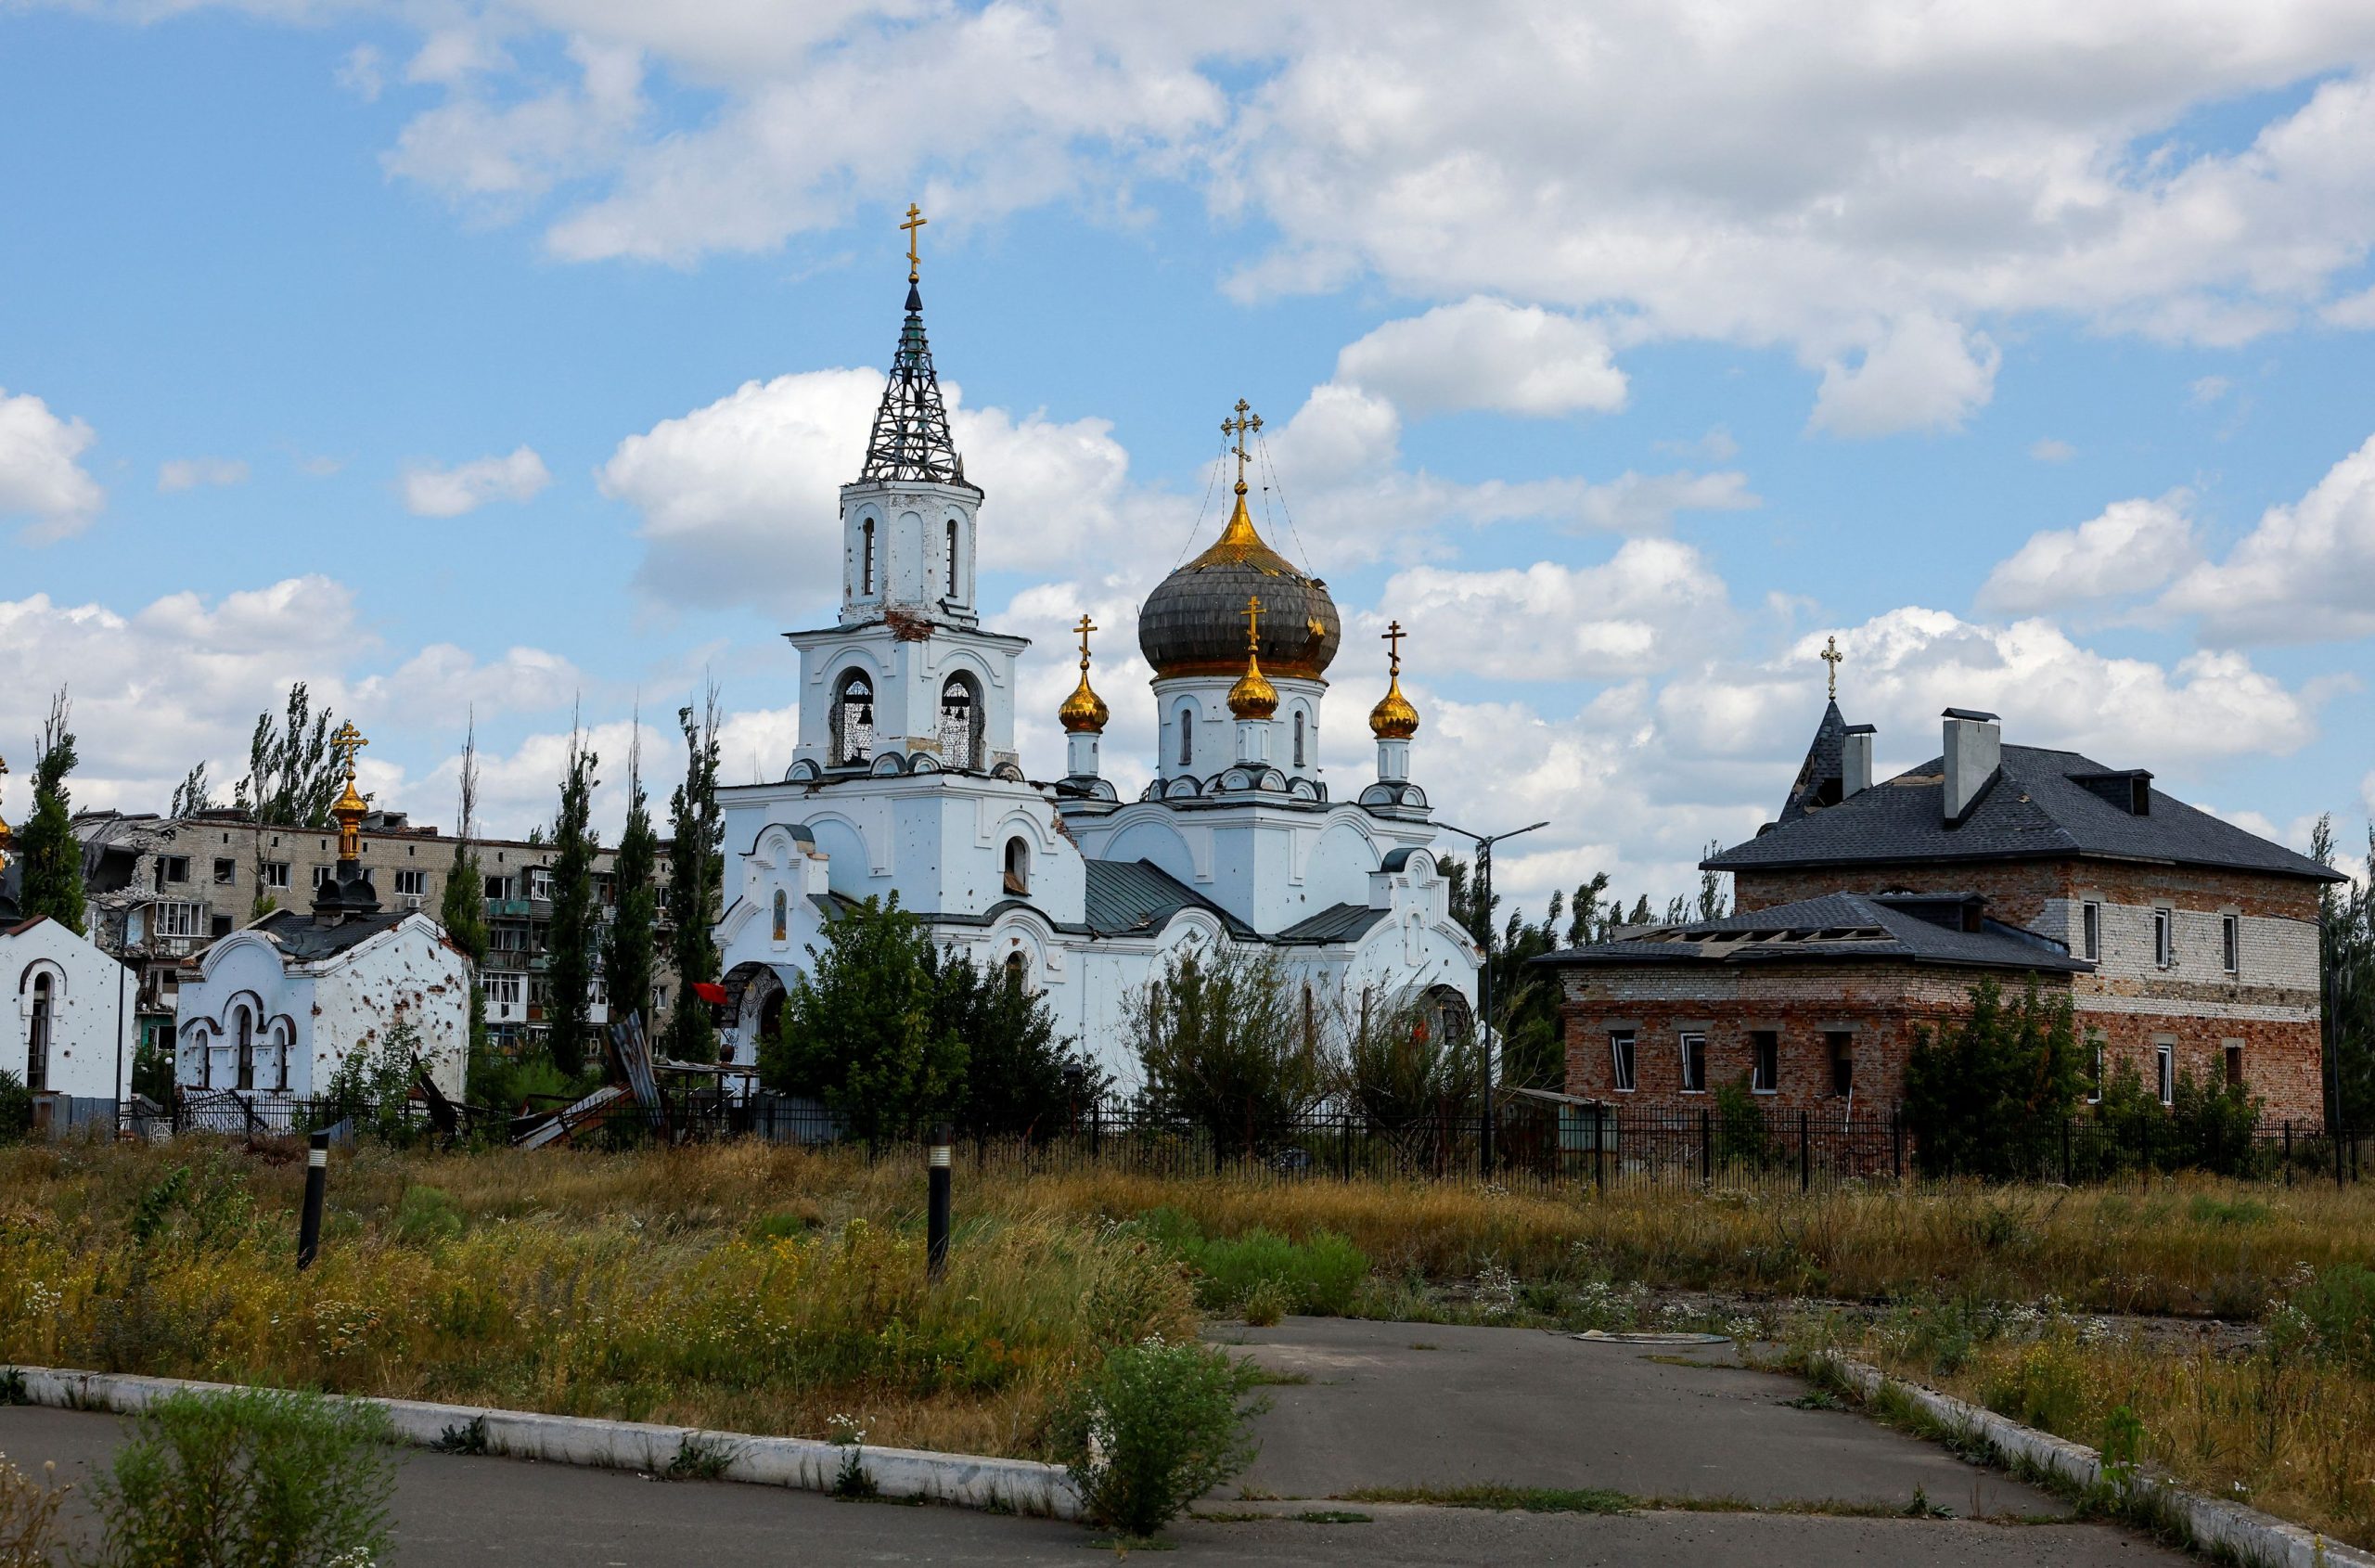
(573, 936)
(53, 855)
(462, 913)
(628, 956)
(695, 874)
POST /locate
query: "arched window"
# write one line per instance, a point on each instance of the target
(284, 1046)
(1018, 868)
(853, 719)
(247, 1057)
(783, 917)
(1187, 733)
(37, 1042)
(952, 558)
(960, 723)
(1299, 730)
(1017, 969)
(205, 1049)
(866, 557)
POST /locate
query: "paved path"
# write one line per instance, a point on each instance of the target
(1503, 1406)
(1419, 1405)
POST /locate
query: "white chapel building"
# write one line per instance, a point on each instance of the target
(906, 778)
(69, 1022)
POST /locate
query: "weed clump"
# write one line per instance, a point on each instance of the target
(1320, 1275)
(1152, 1429)
(255, 1478)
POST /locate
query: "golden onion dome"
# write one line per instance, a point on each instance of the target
(1190, 625)
(1394, 718)
(1253, 696)
(1083, 712)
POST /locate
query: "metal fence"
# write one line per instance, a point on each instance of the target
(1535, 1143)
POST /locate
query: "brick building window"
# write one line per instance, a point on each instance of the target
(275, 873)
(2230, 931)
(2165, 947)
(1765, 1062)
(226, 872)
(2090, 931)
(2164, 1057)
(2234, 1064)
(1840, 1046)
(1694, 1064)
(1620, 1059)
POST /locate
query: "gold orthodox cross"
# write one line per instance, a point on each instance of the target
(1252, 625)
(1085, 627)
(1246, 423)
(916, 220)
(1832, 657)
(346, 742)
(1391, 636)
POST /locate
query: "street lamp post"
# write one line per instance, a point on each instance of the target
(1484, 843)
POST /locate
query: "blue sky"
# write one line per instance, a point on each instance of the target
(476, 356)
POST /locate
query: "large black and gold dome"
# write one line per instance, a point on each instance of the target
(1194, 622)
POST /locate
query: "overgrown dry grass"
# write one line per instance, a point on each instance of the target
(738, 1287)
(2289, 1427)
(2189, 1247)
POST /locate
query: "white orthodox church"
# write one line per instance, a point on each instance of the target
(905, 780)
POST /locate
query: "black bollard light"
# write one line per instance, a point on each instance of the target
(936, 1223)
(317, 1178)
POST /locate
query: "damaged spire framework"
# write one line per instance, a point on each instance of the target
(910, 440)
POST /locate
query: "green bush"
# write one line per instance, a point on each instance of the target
(2340, 1306)
(426, 1214)
(1320, 1275)
(16, 1107)
(251, 1479)
(1987, 1095)
(1155, 1427)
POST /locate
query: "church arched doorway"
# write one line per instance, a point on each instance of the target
(960, 723)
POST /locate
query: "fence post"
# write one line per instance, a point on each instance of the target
(1097, 1129)
(2287, 1151)
(1345, 1139)
(2335, 1132)
(317, 1178)
(936, 1221)
(1805, 1152)
(1600, 1133)
(1896, 1142)
(1706, 1148)
(2065, 1152)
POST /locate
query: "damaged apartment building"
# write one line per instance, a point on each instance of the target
(162, 889)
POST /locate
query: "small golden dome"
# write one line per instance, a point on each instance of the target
(1083, 712)
(1394, 718)
(1253, 696)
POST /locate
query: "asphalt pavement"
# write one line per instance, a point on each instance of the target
(1503, 1407)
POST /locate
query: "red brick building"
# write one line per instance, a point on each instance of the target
(2186, 944)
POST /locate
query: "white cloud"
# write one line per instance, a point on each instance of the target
(2306, 571)
(741, 500)
(2134, 548)
(442, 680)
(1653, 604)
(1487, 354)
(41, 477)
(189, 473)
(492, 158)
(1906, 665)
(2207, 389)
(434, 492)
(2049, 449)
(1926, 373)
(1730, 173)
(362, 72)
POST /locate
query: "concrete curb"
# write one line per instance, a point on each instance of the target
(1022, 1487)
(2244, 1534)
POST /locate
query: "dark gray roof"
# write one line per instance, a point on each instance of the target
(2033, 808)
(1820, 775)
(1338, 922)
(1836, 928)
(1133, 898)
(296, 933)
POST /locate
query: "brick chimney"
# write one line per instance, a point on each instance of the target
(1855, 760)
(1974, 752)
